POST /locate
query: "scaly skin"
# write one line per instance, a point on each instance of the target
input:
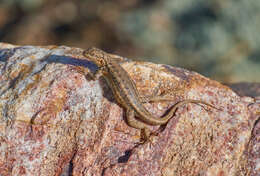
(125, 91)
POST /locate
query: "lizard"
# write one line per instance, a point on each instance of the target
(126, 93)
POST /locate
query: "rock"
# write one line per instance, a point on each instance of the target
(246, 89)
(54, 120)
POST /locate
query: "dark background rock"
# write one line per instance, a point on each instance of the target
(246, 89)
(79, 129)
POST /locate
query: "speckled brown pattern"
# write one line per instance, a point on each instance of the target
(79, 129)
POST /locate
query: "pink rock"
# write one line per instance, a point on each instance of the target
(54, 120)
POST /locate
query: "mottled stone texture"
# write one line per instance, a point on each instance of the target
(55, 120)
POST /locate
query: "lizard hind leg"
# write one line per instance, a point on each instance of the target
(133, 122)
(153, 97)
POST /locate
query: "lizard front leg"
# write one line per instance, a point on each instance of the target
(97, 74)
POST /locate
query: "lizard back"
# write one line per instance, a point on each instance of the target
(127, 95)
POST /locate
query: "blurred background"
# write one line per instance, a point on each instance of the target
(219, 38)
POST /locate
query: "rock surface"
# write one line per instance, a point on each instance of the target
(56, 121)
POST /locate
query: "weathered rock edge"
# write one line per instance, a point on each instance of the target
(80, 130)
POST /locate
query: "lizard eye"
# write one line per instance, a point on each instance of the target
(96, 55)
(102, 62)
(99, 61)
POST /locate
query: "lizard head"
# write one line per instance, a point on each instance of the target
(98, 56)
